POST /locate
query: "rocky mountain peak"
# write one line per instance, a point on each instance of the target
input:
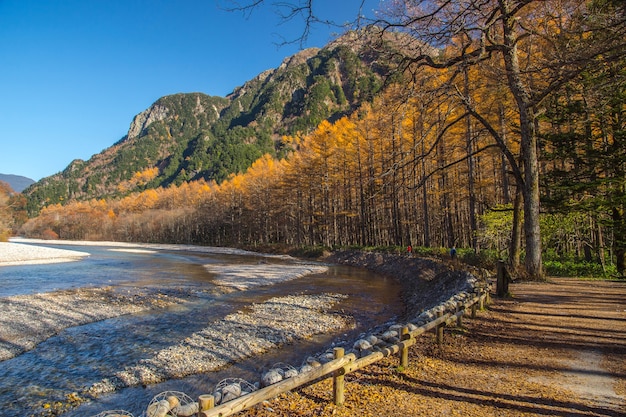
(155, 113)
(192, 136)
(299, 58)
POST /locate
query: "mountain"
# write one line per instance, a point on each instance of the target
(17, 182)
(184, 137)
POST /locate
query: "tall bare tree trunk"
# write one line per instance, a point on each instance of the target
(515, 246)
(425, 211)
(470, 167)
(529, 153)
(619, 244)
(506, 196)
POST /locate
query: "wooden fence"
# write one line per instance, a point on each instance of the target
(345, 364)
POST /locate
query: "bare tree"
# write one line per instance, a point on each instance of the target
(302, 10)
(536, 46)
(533, 46)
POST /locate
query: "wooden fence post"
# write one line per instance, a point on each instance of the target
(502, 281)
(404, 353)
(440, 329)
(205, 402)
(459, 317)
(338, 379)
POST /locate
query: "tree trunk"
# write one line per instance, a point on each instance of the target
(619, 240)
(515, 246)
(425, 211)
(529, 153)
(470, 168)
(532, 232)
(506, 198)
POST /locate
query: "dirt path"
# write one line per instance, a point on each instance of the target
(583, 326)
(554, 349)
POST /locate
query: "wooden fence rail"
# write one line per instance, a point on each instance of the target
(343, 364)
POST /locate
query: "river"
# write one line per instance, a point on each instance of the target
(83, 355)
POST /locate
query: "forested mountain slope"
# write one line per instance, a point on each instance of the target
(194, 136)
(17, 182)
(461, 147)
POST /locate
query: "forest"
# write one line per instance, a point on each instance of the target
(507, 140)
(191, 136)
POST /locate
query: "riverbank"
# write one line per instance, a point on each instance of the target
(12, 253)
(238, 336)
(426, 283)
(259, 328)
(553, 349)
(27, 320)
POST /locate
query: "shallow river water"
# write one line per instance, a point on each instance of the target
(81, 356)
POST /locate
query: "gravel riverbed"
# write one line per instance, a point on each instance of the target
(265, 326)
(28, 320)
(21, 254)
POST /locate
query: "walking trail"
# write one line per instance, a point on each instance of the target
(553, 349)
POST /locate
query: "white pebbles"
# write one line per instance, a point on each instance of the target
(20, 254)
(27, 320)
(237, 336)
(243, 277)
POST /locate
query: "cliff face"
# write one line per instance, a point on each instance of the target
(144, 119)
(195, 136)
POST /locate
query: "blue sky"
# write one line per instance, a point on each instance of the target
(73, 73)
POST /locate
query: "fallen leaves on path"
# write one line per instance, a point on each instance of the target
(518, 358)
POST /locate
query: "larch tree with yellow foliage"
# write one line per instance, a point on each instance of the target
(534, 47)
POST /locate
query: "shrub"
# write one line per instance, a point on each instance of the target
(577, 269)
(308, 251)
(485, 259)
(49, 234)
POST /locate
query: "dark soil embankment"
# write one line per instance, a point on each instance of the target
(426, 283)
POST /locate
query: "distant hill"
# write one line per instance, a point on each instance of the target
(185, 137)
(17, 182)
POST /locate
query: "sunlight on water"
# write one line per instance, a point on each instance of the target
(80, 356)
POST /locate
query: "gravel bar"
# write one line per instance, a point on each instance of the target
(261, 328)
(27, 320)
(21, 254)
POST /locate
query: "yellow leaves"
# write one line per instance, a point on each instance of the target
(139, 178)
(290, 140)
(59, 407)
(357, 178)
(427, 362)
(146, 175)
(123, 188)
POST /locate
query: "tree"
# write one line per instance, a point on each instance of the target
(586, 147)
(5, 212)
(453, 133)
(299, 9)
(12, 211)
(536, 46)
